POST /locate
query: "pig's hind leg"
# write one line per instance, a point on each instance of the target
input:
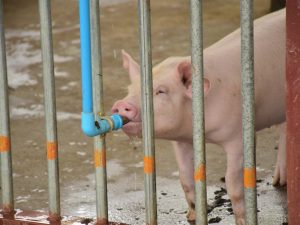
(279, 178)
(234, 179)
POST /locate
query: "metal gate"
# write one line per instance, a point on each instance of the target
(91, 65)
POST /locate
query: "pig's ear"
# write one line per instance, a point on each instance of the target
(131, 66)
(185, 71)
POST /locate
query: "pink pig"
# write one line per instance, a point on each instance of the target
(222, 89)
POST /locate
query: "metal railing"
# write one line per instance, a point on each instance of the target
(50, 120)
(50, 110)
(248, 111)
(147, 113)
(5, 146)
(198, 111)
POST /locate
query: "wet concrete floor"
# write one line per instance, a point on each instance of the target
(170, 33)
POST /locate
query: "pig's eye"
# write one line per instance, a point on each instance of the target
(161, 90)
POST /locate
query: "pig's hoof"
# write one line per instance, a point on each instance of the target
(240, 221)
(279, 178)
(191, 217)
(192, 222)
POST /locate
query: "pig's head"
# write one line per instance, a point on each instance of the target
(172, 98)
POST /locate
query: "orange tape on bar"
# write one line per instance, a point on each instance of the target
(249, 177)
(4, 144)
(100, 158)
(51, 150)
(148, 164)
(200, 173)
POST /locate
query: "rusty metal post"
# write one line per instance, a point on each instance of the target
(198, 111)
(293, 109)
(5, 146)
(247, 60)
(147, 112)
(50, 110)
(99, 141)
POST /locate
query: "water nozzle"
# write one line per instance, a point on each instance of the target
(125, 120)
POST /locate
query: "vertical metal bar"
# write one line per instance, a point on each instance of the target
(293, 110)
(247, 60)
(198, 111)
(5, 145)
(147, 112)
(50, 110)
(99, 142)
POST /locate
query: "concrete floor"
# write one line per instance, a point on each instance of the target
(170, 31)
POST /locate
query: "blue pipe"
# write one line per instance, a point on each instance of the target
(90, 125)
(86, 67)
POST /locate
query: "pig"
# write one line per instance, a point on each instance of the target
(172, 97)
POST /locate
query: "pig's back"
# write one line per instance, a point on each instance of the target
(270, 71)
(224, 61)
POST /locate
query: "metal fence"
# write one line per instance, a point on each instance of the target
(147, 113)
(198, 110)
(50, 120)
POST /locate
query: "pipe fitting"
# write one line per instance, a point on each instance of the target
(92, 125)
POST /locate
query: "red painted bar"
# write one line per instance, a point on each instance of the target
(293, 109)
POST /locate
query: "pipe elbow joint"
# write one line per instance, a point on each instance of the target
(88, 124)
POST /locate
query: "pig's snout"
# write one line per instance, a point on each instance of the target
(125, 109)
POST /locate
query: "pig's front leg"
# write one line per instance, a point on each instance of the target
(280, 169)
(234, 179)
(185, 159)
